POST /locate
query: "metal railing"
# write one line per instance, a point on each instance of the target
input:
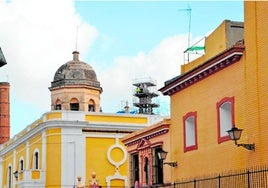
(256, 177)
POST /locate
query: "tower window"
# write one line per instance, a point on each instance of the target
(91, 108)
(58, 106)
(74, 104)
(91, 105)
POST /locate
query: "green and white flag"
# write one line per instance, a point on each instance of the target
(195, 48)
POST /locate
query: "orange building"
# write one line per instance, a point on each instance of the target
(4, 106)
(144, 146)
(225, 88)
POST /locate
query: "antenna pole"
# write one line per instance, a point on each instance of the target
(189, 27)
(189, 31)
(76, 38)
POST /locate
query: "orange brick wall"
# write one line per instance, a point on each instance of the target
(247, 82)
(202, 98)
(256, 76)
(4, 112)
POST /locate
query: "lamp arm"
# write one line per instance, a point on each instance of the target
(247, 146)
(173, 164)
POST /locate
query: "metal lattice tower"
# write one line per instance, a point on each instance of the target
(144, 92)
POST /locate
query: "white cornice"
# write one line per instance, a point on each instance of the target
(202, 70)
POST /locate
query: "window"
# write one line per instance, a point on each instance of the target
(134, 171)
(9, 177)
(58, 105)
(21, 167)
(74, 104)
(91, 106)
(157, 167)
(225, 111)
(146, 170)
(190, 131)
(36, 160)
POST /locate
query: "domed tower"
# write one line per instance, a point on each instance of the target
(75, 87)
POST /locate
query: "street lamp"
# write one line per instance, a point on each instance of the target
(162, 156)
(235, 135)
(16, 174)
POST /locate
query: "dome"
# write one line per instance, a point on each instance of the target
(75, 72)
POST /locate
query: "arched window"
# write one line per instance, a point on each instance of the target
(74, 104)
(9, 176)
(225, 111)
(36, 159)
(91, 106)
(21, 165)
(58, 105)
(190, 131)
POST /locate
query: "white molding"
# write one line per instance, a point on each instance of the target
(1, 171)
(114, 146)
(116, 176)
(44, 154)
(197, 73)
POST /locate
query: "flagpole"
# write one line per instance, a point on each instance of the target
(189, 28)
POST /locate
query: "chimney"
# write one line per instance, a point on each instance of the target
(76, 56)
(126, 107)
(4, 112)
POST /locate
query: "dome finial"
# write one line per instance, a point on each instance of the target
(75, 55)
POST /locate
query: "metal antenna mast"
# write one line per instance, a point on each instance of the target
(76, 38)
(189, 26)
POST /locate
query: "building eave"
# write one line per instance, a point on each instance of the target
(147, 133)
(2, 59)
(213, 65)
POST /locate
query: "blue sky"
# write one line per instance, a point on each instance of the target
(138, 25)
(121, 40)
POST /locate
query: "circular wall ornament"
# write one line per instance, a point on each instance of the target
(117, 146)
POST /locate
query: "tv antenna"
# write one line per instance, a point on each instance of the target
(76, 38)
(189, 25)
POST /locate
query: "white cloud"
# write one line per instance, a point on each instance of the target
(161, 64)
(36, 38)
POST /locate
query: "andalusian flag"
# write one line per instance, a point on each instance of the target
(195, 48)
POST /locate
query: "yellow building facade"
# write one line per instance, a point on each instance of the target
(225, 88)
(74, 139)
(62, 145)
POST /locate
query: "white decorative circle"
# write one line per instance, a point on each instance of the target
(115, 163)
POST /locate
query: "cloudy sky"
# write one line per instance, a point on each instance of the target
(121, 40)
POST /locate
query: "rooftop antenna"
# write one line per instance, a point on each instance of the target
(189, 26)
(76, 38)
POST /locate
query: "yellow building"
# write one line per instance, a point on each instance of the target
(74, 139)
(225, 88)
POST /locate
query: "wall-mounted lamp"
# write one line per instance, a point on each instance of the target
(16, 174)
(162, 156)
(235, 135)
